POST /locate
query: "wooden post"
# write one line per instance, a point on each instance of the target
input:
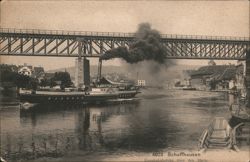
(248, 77)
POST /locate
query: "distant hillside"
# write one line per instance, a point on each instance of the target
(174, 72)
(93, 69)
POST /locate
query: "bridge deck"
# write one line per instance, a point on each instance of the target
(114, 34)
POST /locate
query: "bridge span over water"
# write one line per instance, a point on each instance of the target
(32, 42)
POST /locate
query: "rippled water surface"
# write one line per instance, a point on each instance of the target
(160, 120)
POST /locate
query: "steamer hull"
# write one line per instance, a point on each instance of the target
(28, 99)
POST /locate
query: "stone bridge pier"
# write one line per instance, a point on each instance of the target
(82, 72)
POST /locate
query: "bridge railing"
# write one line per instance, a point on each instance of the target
(63, 32)
(205, 37)
(117, 34)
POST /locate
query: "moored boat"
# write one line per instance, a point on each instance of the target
(241, 136)
(217, 135)
(239, 113)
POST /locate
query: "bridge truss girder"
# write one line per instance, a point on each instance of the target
(23, 44)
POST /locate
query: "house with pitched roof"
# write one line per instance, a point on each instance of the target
(202, 78)
(216, 77)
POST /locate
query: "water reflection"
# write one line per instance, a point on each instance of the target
(82, 128)
(53, 133)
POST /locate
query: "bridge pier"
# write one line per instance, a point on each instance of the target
(82, 72)
(99, 73)
(82, 68)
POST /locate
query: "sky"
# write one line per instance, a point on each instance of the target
(213, 18)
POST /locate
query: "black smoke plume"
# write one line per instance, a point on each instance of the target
(147, 46)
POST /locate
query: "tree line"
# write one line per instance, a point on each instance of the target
(9, 74)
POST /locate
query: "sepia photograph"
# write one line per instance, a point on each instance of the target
(124, 81)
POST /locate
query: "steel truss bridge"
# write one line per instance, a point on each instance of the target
(22, 42)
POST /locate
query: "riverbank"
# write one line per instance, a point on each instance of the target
(166, 156)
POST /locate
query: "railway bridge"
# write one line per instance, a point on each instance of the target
(31, 42)
(58, 43)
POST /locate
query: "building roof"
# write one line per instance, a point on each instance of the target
(217, 72)
(227, 74)
(25, 71)
(209, 70)
(38, 71)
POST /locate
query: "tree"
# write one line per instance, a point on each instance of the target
(44, 82)
(33, 84)
(7, 73)
(64, 77)
(22, 81)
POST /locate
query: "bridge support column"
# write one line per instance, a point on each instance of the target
(82, 72)
(86, 72)
(99, 73)
(248, 77)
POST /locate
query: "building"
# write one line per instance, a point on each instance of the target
(214, 77)
(34, 72)
(226, 80)
(141, 83)
(198, 82)
(25, 70)
(37, 71)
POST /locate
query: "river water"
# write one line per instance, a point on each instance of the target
(162, 119)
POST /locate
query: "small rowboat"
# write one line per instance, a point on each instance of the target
(216, 136)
